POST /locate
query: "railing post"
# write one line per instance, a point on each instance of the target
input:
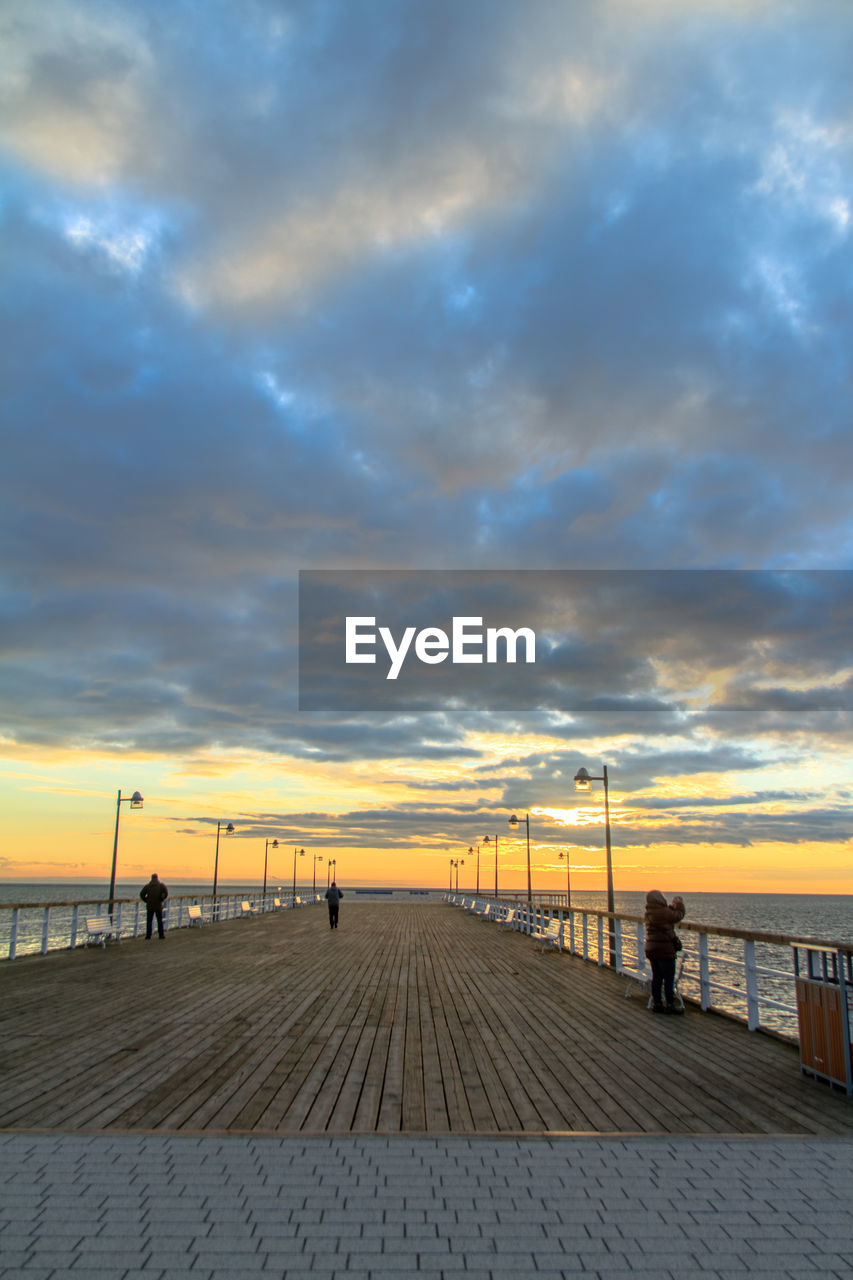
(600, 939)
(585, 936)
(704, 973)
(72, 942)
(641, 951)
(752, 1012)
(136, 921)
(45, 929)
(616, 926)
(13, 934)
(118, 921)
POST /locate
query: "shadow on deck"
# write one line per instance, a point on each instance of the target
(410, 1017)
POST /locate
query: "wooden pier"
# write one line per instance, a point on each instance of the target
(412, 1018)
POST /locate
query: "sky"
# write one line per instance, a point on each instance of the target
(292, 285)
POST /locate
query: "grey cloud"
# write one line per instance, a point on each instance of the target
(711, 802)
(414, 828)
(540, 288)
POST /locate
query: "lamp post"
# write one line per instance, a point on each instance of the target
(269, 844)
(229, 831)
(301, 853)
(318, 857)
(513, 822)
(583, 781)
(333, 862)
(471, 853)
(450, 885)
(135, 802)
(564, 857)
(486, 840)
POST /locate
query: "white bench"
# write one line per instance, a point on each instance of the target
(276, 902)
(509, 920)
(98, 929)
(551, 935)
(195, 916)
(247, 909)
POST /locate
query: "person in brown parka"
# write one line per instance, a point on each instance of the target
(660, 948)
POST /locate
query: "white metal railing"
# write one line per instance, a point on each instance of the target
(29, 928)
(741, 973)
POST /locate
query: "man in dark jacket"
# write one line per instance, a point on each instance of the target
(154, 894)
(333, 897)
(661, 948)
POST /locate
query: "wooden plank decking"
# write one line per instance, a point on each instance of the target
(415, 1018)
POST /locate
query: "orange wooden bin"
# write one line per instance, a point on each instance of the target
(824, 981)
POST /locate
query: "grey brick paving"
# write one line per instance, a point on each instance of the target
(170, 1207)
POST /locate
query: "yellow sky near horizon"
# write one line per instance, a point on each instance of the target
(59, 815)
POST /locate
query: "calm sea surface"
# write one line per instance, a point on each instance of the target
(827, 917)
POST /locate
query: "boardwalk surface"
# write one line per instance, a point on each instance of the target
(409, 1018)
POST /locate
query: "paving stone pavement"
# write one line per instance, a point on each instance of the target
(186, 1207)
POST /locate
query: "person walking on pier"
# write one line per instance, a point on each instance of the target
(662, 947)
(333, 897)
(154, 894)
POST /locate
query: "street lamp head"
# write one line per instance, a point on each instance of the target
(229, 830)
(513, 822)
(485, 839)
(302, 853)
(136, 800)
(583, 781)
(470, 848)
(274, 844)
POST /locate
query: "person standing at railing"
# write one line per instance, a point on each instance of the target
(154, 894)
(661, 947)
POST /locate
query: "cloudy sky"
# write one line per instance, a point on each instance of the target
(428, 284)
